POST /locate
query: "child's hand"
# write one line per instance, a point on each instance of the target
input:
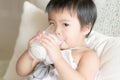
(36, 37)
(52, 47)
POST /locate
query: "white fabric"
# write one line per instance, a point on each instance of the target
(97, 41)
(108, 48)
(40, 3)
(110, 60)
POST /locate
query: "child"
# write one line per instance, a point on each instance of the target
(72, 21)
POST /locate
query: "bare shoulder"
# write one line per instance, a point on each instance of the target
(90, 53)
(89, 56)
(88, 64)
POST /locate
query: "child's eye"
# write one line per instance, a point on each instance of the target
(50, 23)
(66, 25)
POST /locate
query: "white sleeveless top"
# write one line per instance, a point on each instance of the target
(47, 71)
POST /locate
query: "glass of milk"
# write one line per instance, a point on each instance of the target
(37, 51)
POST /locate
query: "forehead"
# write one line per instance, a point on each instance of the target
(64, 12)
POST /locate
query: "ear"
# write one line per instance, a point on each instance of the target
(86, 29)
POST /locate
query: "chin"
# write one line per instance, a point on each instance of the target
(63, 47)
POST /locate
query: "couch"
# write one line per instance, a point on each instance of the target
(105, 37)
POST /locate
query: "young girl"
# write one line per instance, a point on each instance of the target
(72, 21)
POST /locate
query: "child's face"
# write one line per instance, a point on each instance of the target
(67, 27)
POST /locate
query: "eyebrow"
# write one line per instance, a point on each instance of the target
(62, 20)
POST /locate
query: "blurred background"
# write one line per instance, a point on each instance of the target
(10, 16)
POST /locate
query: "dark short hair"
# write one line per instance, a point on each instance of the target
(85, 9)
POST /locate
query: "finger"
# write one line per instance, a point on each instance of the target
(40, 33)
(54, 38)
(45, 39)
(36, 37)
(33, 39)
(48, 45)
(50, 38)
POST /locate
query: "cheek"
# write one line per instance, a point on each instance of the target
(69, 40)
(73, 38)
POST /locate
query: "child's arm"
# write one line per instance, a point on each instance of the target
(86, 70)
(26, 64)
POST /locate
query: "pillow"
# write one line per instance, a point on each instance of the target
(110, 60)
(97, 41)
(40, 3)
(33, 20)
(108, 49)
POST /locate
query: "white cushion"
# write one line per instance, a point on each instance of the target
(33, 20)
(110, 59)
(40, 3)
(108, 49)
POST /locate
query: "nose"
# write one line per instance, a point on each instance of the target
(58, 31)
